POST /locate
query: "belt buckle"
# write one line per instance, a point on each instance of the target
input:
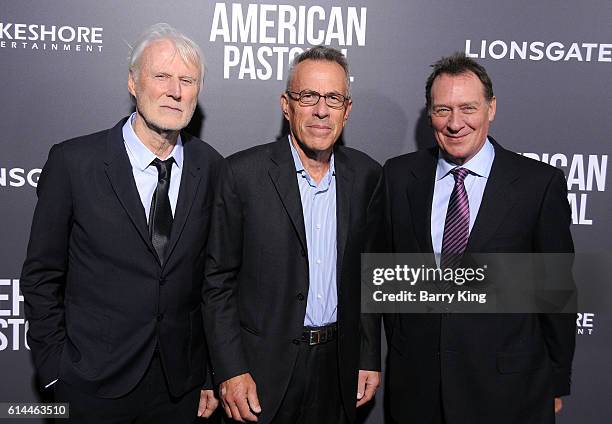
(314, 340)
(320, 336)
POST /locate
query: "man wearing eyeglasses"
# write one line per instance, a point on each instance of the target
(290, 220)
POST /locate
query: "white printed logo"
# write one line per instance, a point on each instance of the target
(584, 173)
(585, 323)
(18, 177)
(13, 326)
(55, 38)
(261, 39)
(539, 50)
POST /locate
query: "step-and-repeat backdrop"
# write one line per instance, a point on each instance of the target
(64, 74)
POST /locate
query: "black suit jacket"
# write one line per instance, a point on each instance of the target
(502, 368)
(257, 271)
(97, 299)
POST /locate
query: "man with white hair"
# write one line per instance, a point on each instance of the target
(113, 275)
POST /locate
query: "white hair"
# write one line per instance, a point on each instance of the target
(187, 49)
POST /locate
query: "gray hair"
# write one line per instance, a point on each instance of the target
(187, 49)
(321, 53)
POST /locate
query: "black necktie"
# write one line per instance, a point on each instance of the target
(160, 216)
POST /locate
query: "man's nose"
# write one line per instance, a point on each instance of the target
(174, 89)
(455, 122)
(321, 109)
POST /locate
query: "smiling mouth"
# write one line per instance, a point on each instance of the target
(456, 137)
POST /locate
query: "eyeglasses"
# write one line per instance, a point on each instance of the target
(311, 98)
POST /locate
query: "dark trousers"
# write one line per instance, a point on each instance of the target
(148, 403)
(438, 416)
(313, 395)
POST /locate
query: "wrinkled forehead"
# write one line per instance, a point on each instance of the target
(311, 73)
(164, 51)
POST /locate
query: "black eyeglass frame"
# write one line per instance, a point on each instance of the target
(300, 95)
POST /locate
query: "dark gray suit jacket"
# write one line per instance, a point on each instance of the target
(502, 368)
(257, 271)
(96, 296)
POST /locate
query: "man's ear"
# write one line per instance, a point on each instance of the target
(131, 83)
(284, 104)
(492, 109)
(347, 112)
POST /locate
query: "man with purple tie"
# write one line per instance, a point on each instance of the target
(470, 195)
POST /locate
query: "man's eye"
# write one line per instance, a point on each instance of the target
(468, 109)
(307, 96)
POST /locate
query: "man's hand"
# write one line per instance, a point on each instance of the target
(208, 403)
(367, 384)
(239, 398)
(558, 405)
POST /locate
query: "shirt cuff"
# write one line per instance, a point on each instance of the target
(51, 384)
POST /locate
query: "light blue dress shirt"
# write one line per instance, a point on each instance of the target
(145, 174)
(319, 210)
(475, 183)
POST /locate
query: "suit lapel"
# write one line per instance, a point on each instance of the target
(283, 175)
(420, 196)
(190, 181)
(498, 197)
(119, 172)
(344, 187)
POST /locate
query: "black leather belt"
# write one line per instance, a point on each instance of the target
(318, 335)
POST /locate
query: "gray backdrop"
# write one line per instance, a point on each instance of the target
(550, 63)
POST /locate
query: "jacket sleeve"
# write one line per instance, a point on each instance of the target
(553, 236)
(220, 292)
(43, 276)
(370, 354)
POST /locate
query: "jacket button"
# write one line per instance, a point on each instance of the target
(160, 317)
(162, 281)
(296, 342)
(300, 297)
(302, 252)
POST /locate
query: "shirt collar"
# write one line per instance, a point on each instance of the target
(299, 166)
(141, 154)
(479, 165)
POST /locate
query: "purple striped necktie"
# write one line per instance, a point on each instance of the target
(457, 223)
